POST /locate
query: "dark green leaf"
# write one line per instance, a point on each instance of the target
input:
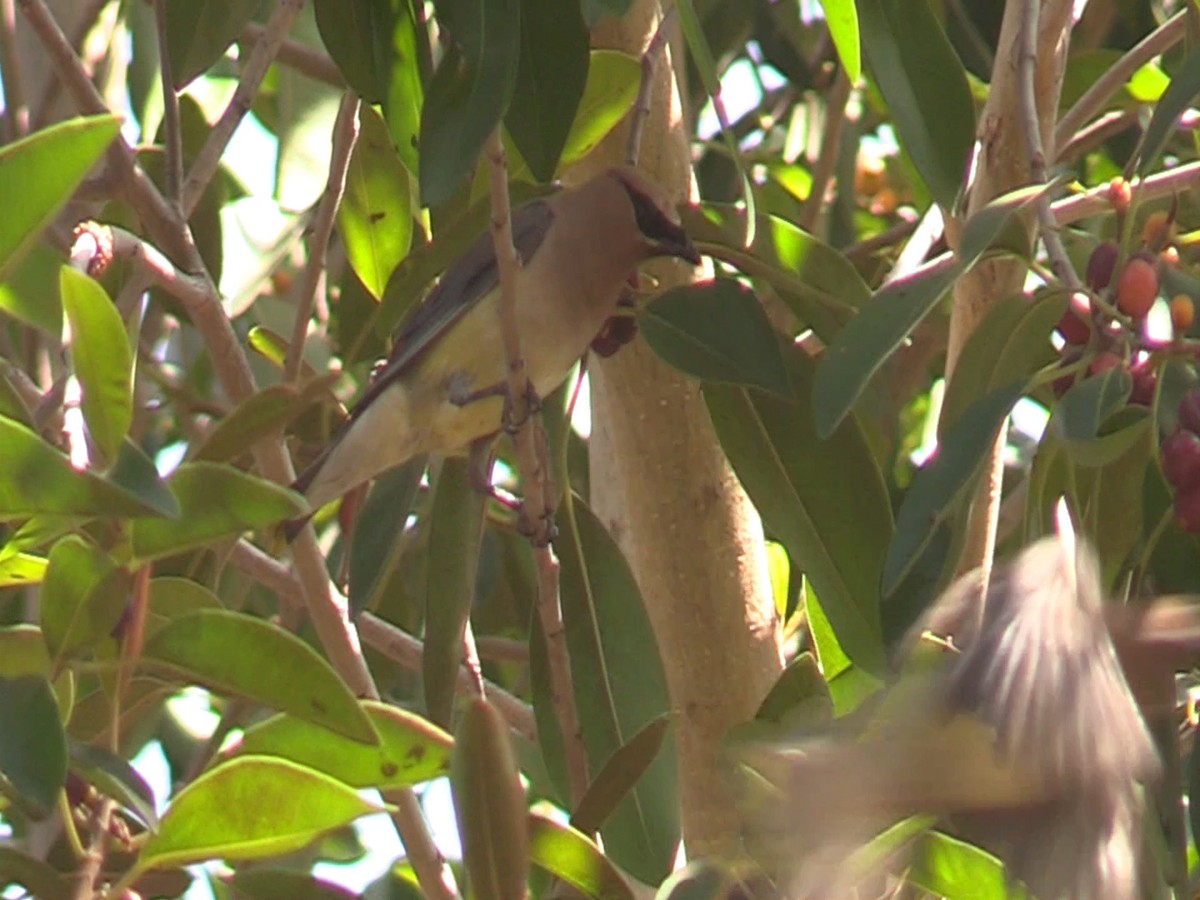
(550, 82)
(249, 808)
(925, 86)
(594, 11)
(235, 653)
(217, 502)
(379, 533)
(39, 878)
(376, 215)
(83, 598)
(259, 415)
(199, 32)
(29, 290)
(803, 486)
(39, 173)
(275, 883)
(33, 747)
(455, 534)
(1185, 85)
(1081, 411)
(410, 750)
(896, 309)
(114, 777)
(939, 482)
(619, 687)
(469, 93)
(622, 771)
(38, 479)
(717, 331)
(570, 855)
(136, 473)
(102, 360)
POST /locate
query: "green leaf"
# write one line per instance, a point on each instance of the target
(619, 687)
(259, 415)
(619, 775)
(375, 218)
(114, 777)
(919, 75)
(37, 479)
(135, 473)
(23, 652)
(102, 360)
(608, 95)
(803, 485)
(1011, 342)
(717, 331)
(234, 653)
(570, 855)
(39, 878)
(29, 289)
(172, 597)
(948, 867)
(83, 598)
(39, 174)
(1083, 409)
(818, 283)
(380, 47)
(469, 93)
(18, 569)
(379, 535)
(489, 804)
(940, 481)
(217, 502)
(1185, 85)
(33, 746)
(411, 750)
(250, 808)
(455, 534)
(551, 76)
(842, 19)
(200, 31)
(277, 883)
(883, 323)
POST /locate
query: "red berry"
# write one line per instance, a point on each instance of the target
(1144, 381)
(1120, 195)
(1187, 510)
(1137, 287)
(1101, 264)
(1181, 460)
(1189, 411)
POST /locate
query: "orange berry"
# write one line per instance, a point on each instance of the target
(1120, 195)
(1158, 230)
(1137, 287)
(1183, 313)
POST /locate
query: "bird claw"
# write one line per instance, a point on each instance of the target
(541, 533)
(510, 421)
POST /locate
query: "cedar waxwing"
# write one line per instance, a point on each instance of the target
(1029, 743)
(443, 386)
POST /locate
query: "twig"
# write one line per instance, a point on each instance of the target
(1111, 80)
(42, 111)
(530, 442)
(16, 113)
(401, 647)
(204, 167)
(1095, 201)
(345, 135)
(1027, 95)
(305, 60)
(827, 156)
(172, 134)
(641, 107)
(1096, 133)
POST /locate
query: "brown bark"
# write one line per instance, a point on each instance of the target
(662, 485)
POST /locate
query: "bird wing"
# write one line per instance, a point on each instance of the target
(468, 278)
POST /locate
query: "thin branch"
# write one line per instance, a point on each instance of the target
(43, 111)
(641, 107)
(1031, 122)
(827, 156)
(1095, 201)
(16, 113)
(1111, 80)
(530, 444)
(305, 60)
(345, 135)
(204, 167)
(1097, 132)
(172, 133)
(402, 648)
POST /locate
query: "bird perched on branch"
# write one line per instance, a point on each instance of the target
(1028, 743)
(443, 388)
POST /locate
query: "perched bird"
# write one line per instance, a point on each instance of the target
(1028, 743)
(443, 387)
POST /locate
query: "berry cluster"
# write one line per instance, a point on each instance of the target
(1181, 462)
